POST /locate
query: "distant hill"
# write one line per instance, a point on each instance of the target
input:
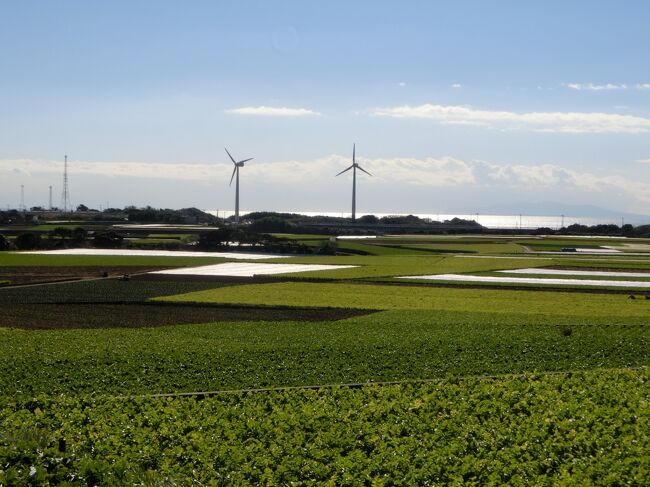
(547, 208)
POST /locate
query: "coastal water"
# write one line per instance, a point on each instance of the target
(489, 221)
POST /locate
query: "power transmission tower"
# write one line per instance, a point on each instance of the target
(22, 197)
(65, 196)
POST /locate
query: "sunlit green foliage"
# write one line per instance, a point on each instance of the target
(370, 296)
(588, 428)
(392, 345)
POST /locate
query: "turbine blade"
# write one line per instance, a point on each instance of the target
(344, 170)
(362, 169)
(353, 151)
(233, 175)
(246, 160)
(231, 158)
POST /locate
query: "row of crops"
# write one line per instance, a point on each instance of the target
(388, 346)
(587, 428)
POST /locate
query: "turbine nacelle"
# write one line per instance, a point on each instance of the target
(237, 165)
(355, 164)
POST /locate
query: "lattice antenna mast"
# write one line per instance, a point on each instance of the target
(65, 196)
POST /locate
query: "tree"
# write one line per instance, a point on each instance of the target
(27, 241)
(107, 240)
(62, 232)
(82, 208)
(368, 219)
(271, 224)
(216, 239)
(4, 243)
(79, 234)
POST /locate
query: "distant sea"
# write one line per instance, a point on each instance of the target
(504, 222)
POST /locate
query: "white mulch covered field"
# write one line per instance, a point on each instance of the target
(531, 280)
(247, 269)
(563, 272)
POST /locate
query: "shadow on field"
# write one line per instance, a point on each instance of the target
(136, 315)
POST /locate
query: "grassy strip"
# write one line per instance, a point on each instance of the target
(478, 248)
(48, 260)
(385, 346)
(588, 428)
(366, 296)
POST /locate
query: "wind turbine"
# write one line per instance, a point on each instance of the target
(354, 168)
(236, 171)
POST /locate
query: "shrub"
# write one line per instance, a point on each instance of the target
(27, 241)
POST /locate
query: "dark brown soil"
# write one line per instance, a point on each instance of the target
(21, 275)
(135, 315)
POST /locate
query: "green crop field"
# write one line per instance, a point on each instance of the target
(46, 260)
(479, 386)
(411, 297)
(394, 345)
(588, 428)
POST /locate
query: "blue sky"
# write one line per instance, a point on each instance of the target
(454, 106)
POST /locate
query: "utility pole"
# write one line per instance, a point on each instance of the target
(50, 200)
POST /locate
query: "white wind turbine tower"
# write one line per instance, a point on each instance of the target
(236, 171)
(354, 168)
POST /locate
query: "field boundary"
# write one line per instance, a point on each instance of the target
(360, 385)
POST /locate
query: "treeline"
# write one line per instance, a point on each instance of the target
(131, 214)
(610, 230)
(61, 238)
(328, 225)
(160, 215)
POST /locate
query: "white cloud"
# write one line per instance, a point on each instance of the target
(432, 172)
(643, 161)
(273, 111)
(593, 87)
(536, 177)
(184, 172)
(643, 86)
(456, 85)
(444, 171)
(567, 122)
(401, 84)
